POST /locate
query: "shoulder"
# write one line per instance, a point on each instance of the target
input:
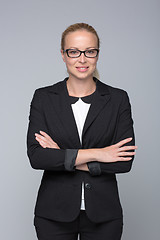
(42, 93)
(51, 88)
(45, 92)
(118, 96)
(114, 92)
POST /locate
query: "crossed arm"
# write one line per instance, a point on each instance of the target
(114, 153)
(116, 158)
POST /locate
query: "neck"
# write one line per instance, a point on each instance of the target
(81, 88)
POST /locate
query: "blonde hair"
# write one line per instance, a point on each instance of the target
(78, 26)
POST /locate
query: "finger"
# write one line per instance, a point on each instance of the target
(48, 138)
(41, 143)
(121, 159)
(47, 142)
(122, 142)
(40, 137)
(45, 134)
(37, 135)
(126, 148)
(126, 153)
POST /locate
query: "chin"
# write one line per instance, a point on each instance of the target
(82, 76)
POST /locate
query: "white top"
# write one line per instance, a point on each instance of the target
(80, 111)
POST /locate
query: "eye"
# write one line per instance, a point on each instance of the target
(91, 51)
(73, 52)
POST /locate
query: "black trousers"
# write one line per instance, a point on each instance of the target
(82, 226)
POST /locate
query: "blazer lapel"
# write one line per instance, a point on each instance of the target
(99, 101)
(61, 104)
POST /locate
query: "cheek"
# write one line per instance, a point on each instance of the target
(93, 62)
(70, 62)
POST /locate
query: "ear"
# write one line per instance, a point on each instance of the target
(63, 56)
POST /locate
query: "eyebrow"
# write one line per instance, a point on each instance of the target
(86, 48)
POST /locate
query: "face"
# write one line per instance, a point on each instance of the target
(81, 67)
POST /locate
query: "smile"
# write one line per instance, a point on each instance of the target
(82, 69)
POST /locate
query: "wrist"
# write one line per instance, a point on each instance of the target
(86, 155)
(82, 167)
(95, 154)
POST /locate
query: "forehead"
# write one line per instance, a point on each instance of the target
(81, 39)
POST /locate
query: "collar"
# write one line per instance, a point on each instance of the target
(59, 87)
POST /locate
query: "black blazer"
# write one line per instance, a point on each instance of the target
(108, 121)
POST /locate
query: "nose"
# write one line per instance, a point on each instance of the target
(82, 58)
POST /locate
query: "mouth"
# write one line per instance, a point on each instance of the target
(82, 69)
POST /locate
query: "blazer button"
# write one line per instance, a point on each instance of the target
(88, 185)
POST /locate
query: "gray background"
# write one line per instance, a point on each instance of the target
(30, 58)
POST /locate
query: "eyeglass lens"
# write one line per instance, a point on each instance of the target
(88, 53)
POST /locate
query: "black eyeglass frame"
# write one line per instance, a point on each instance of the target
(80, 52)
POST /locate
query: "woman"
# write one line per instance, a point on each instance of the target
(81, 134)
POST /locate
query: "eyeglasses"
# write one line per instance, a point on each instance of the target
(75, 53)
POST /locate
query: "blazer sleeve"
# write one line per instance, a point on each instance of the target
(124, 129)
(45, 158)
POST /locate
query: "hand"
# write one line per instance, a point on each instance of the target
(45, 140)
(117, 152)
